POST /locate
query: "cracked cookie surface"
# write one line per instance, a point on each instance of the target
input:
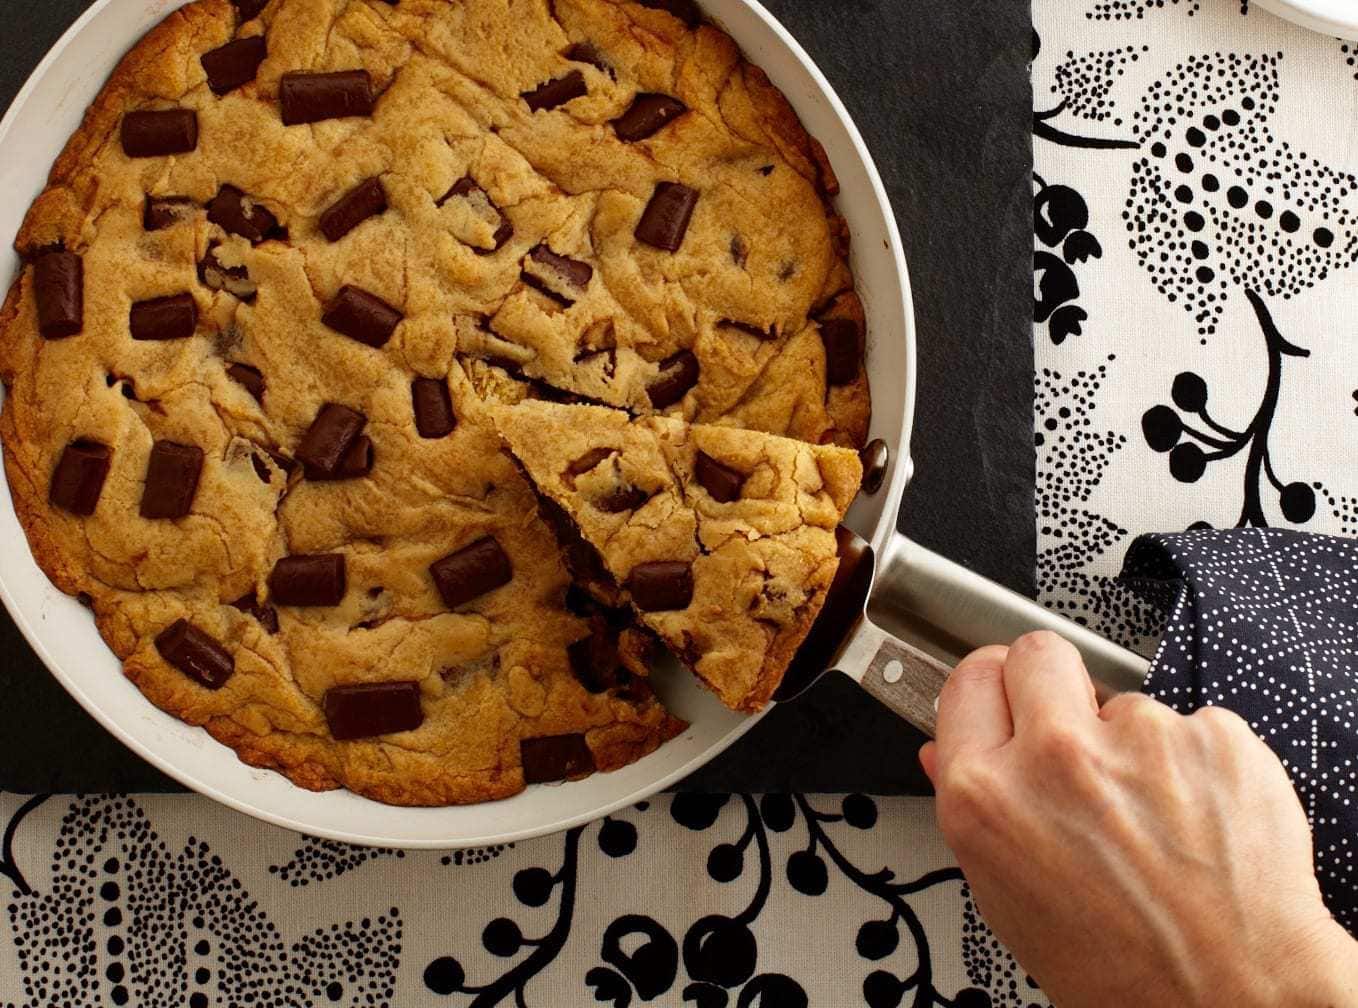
(295, 255)
(723, 540)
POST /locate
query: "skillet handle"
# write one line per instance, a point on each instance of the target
(944, 610)
(904, 678)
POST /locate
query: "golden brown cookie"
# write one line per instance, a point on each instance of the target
(722, 540)
(292, 256)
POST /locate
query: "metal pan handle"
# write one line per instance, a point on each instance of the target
(927, 612)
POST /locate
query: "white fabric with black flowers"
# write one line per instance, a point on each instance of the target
(1195, 222)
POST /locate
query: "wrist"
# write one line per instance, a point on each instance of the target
(1317, 969)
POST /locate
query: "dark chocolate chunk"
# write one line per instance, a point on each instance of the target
(721, 482)
(367, 199)
(665, 221)
(554, 758)
(876, 456)
(594, 659)
(433, 407)
(588, 52)
(308, 579)
(329, 438)
(662, 586)
(362, 316)
(164, 318)
(843, 350)
(238, 214)
(585, 463)
(556, 92)
(59, 289)
(161, 212)
(248, 9)
(172, 474)
(366, 710)
(234, 64)
(249, 377)
(196, 654)
(267, 615)
(79, 476)
(467, 188)
(685, 10)
(559, 277)
(649, 114)
(312, 97)
(677, 375)
(740, 252)
(471, 572)
(771, 333)
(357, 462)
(154, 134)
(235, 280)
(623, 498)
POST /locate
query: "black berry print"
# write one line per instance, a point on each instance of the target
(1194, 443)
(1060, 216)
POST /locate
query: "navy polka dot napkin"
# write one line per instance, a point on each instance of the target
(1264, 622)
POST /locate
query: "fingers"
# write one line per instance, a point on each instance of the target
(928, 759)
(973, 713)
(1045, 681)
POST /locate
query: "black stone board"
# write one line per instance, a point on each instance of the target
(941, 92)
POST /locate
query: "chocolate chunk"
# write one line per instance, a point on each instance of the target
(365, 710)
(594, 659)
(585, 463)
(79, 476)
(685, 10)
(843, 350)
(740, 252)
(471, 572)
(876, 456)
(267, 615)
(165, 318)
(308, 579)
(559, 277)
(662, 586)
(357, 462)
(433, 407)
(238, 214)
(329, 438)
(623, 498)
(312, 97)
(367, 199)
(235, 280)
(483, 206)
(248, 9)
(249, 377)
(154, 134)
(677, 375)
(171, 480)
(234, 64)
(588, 52)
(771, 333)
(554, 758)
(161, 212)
(196, 654)
(59, 289)
(649, 114)
(362, 316)
(665, 221)
(556, 92)
(721, 482)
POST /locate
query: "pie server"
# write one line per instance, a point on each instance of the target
(897, 627)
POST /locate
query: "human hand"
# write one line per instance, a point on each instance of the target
(1130, 855)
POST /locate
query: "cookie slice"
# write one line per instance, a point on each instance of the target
(722, 540)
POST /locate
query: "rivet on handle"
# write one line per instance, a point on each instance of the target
(893, 671)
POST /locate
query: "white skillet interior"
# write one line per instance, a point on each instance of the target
(1329, 17)
(49, 109)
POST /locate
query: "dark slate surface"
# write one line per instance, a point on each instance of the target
(940, 91)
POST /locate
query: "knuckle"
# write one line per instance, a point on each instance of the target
(1062, 746)
(966, 795)
(1043, 642)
